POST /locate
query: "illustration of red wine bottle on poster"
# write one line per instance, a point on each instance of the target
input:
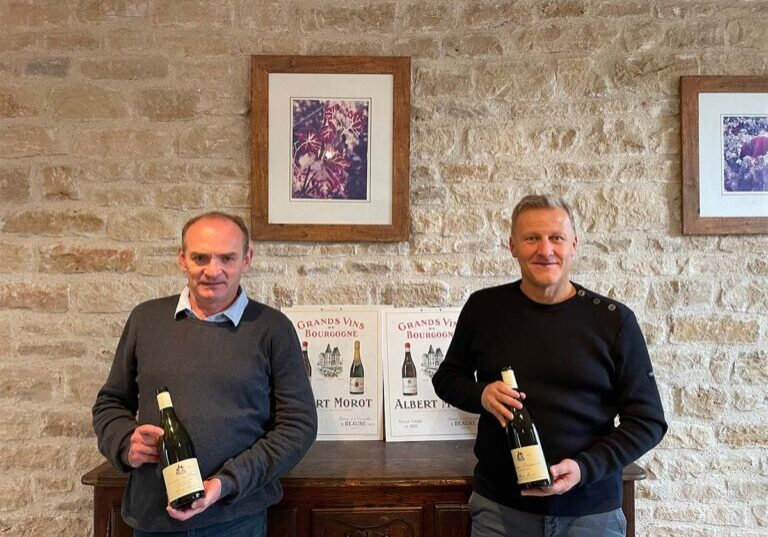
(415, 342)
(340, 348)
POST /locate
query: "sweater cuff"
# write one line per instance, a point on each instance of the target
(228, 485)
(582, 472)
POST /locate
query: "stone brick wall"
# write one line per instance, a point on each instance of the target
(119, 119)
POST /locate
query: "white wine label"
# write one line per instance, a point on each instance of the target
(530, 464)
(182, 478)
(356, 385)
(409, 386)
(164, 400)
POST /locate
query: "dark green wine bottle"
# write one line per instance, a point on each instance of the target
(357, 373)
(181, 473)
(527, 454)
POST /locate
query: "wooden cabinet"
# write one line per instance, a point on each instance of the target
(358, 489)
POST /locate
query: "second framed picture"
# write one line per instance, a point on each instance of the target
(330, 148)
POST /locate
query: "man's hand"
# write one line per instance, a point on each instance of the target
(565, 475)
(212, 489)
(143, 447)
(494, 398)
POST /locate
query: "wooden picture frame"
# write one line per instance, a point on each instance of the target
(330, 148)
(724, 156)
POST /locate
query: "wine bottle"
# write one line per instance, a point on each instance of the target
(356, 373)
(527, 454)
(409, 373)
(305, 354)
(181, 473)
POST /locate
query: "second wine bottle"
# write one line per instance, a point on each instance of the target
(181, 473)
(527, 454)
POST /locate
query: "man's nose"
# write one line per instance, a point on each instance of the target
(212, 268)
(544, 247)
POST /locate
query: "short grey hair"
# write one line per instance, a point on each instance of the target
(541, 201)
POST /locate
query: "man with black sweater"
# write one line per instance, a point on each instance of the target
(581, 360)
(235, 371)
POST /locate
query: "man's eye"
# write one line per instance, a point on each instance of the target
(227, 258)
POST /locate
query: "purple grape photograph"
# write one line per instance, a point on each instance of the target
(329, 149)
(745, 145)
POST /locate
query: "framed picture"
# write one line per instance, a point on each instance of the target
(330, 148)
(724, 134)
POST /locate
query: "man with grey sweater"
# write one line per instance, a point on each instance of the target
(234, 369)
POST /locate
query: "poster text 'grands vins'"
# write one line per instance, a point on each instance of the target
(428, 328)
(334, 327)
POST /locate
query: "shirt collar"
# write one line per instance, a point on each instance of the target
(233, 313)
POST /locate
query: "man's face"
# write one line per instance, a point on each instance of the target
(214, 261)
(544, 244)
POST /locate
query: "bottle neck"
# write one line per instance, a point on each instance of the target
(164, 401)
(508, 377)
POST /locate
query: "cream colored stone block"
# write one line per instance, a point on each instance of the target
(713, 329)
(122, 143)
(199, 13)
(26, 141)
(142, 226)
(14, 185)
(40, 222)
(750, 297)
(744, 435)
(59, 182)
(411, 295)
(87, 102)
(473, 45)
(701, 401)
(325, 293)
(222, 140)
(680, 436)
(167, 105)
(70, 259)
(66, 423)
(20, 102)
(136, 68)
(379, 17)
(109, 295)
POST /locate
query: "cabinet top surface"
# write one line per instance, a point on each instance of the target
(370, 462)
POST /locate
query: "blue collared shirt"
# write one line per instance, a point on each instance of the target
(233, 313)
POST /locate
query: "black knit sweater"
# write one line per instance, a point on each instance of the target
(240, 391)
(580, 363)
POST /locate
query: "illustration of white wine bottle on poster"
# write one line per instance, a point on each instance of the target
(340, 345)
(414, 346)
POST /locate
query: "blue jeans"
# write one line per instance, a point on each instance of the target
(490, 519)
(251, 526)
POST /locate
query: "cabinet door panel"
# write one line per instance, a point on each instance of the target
(367, 522)
(281, 521)
(452, 521)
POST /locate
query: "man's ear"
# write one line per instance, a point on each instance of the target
(247, 259)
(512, 247)
(182, 261)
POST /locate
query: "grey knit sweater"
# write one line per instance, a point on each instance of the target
(240, 391)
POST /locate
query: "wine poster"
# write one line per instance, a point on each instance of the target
(413, 346)
(341, 347)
